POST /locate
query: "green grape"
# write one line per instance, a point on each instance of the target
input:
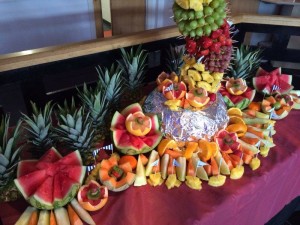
(209, 19)
(184, 15)
(214, 26)
(214, 4)
(181, 25)
(199, 32)
(201, 22)
(192, 33)
(191, 15)
(219, 10)
(188, 27)
(207, 30)
(193, 24)
(207, 10)
(215, 16)
(219, 22)
(223, 15)
(177, 14)
(198, 14)
(185, 33)
(222, 4)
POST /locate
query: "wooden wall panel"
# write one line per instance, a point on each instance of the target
(98, 18)
(127, 16)
(243, 6)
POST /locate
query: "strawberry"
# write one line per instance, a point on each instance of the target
(203, 53)
(206, 42)
(222, 39)
(215, 34)
(215, 47)
(212, 97)
(191, 46)
(228, 42)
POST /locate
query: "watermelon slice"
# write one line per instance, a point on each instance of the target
(29, 183)
(128, 143)
(56, 184)
(272, 82)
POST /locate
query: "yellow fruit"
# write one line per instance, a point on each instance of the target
(217, 76)
(173, 104)
(194, 75)
(155, 179)
(191, 147)
(138, 124)
(234, 112)
(166, 144)
(255, 163)
(207, 149)
(187, 59)
(237, 172)
(207, 77)
(172, 181)
(193, 182)
(199, 66)
(204, 84)
(217, 181)
(196, 5)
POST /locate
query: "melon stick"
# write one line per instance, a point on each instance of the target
(181, 169)
(25, 217)
(61, 216)
(34, 218)
(44, 218)
(153, 156)
(200, 171)
(164, 165)
(140, 178)
(82, 213)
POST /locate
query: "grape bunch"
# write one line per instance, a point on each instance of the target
(195, 24)
(218, 62)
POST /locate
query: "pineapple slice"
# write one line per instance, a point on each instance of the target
(217, 76)
(196, 5)
(237, 172)
(207, 77)
(199, 66)
(189, 60)
(173, 104)
(204, 85)
(193, 182)
(217, 181)
(194, 75)
(255, 163)
(172, 181)
(264, 151)
(155, 179)
(191, 82)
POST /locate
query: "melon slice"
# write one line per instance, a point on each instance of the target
(140, 178)
(51, 156)
(73, 171)
(26, 167)
(29, 183)
(73, 158)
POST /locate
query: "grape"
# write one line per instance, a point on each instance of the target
(207, 10)
(184, 15)
(198, 14)
(185, 33)
(222, 4)
(177, 13)
(201, 22)
(214, 4)
(193, 24)
(191, 15)
(219, 22)
(211, 68)
(199, 32)
(192, 33)
(207, 30)
(209, 19)
(219, 10)
(215, 16)
(211, 63)
(223, 15)
(188, 26)
(214, 26)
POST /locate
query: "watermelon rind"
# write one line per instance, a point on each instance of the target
(118, 121)
(135, 107)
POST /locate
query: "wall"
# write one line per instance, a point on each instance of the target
(105, 4)
(30, 24)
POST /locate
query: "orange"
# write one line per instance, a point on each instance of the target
(255, 106)
(191, 147)
(236, 86)
(234, 112)
(238, 128)
(91, 193)
(130, 159)
(138, 124)
(197, 97)
(207, 149)
(235, 120)
(166, 144)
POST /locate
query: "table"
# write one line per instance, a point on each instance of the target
(254, 199)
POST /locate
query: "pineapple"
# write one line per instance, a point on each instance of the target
(174, 59)
(9, 157)
(245, 63)
(97, 105)
(133, 65)
(74, 129)
(39, 128)
(112, 81)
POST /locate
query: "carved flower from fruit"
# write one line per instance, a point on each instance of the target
(236, 86)
(138, 124)
(174, 90)
(227, 141)
(164, 78)
(197, 97)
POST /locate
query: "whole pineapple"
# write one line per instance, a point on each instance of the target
(74, 130)
(39, 127)
(9, 157)
(133, 65)
(97, 106)
(174, 59)
(245, 62)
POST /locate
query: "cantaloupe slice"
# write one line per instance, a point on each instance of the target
(164, 165)
(224, 168)
(152, 158)
(140, 178)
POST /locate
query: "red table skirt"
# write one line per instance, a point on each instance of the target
(254, 199)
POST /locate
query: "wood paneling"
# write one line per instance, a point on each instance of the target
(98, 18)
(127, 16)
(243, 6)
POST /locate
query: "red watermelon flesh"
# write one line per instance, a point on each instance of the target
(135, 107)
(118, 122)
(73, 171)
(51, 156)
(26, 167)
(43, 195)
(73, 158)
(29, 183)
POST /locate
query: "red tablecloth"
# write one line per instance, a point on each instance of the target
(254, 199)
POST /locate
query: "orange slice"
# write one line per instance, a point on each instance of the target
(236, 86)
(197, 97)
(207, 149)
(234, 112)
(138, 124)
(239, 129)
(255, 106)
(235, 120)
(191, 147)
(166, 144)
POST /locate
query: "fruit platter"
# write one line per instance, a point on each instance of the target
(205, 123)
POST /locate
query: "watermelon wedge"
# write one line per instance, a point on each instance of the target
(51, 156)
(73, 158)
(43, 196)
(26, 167)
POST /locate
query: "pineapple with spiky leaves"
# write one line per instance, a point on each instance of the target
(245, 62)
(133, 65)
(174, 59)
(9, 157)
(97, 106)
(75, 130)
(39, 127)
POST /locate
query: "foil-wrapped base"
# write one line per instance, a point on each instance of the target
(188, 125)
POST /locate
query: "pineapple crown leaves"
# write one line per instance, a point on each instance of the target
(174, 59)
(75, 130)
(9, 149)
(112, 81)
(39, 126)
(66, 109)
(245, 63)
(133, 65)
(96, 104)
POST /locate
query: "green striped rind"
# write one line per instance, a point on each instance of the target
(71, 194)
(82, 174)
(241, 104)
(135, 107)
(228, 102)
